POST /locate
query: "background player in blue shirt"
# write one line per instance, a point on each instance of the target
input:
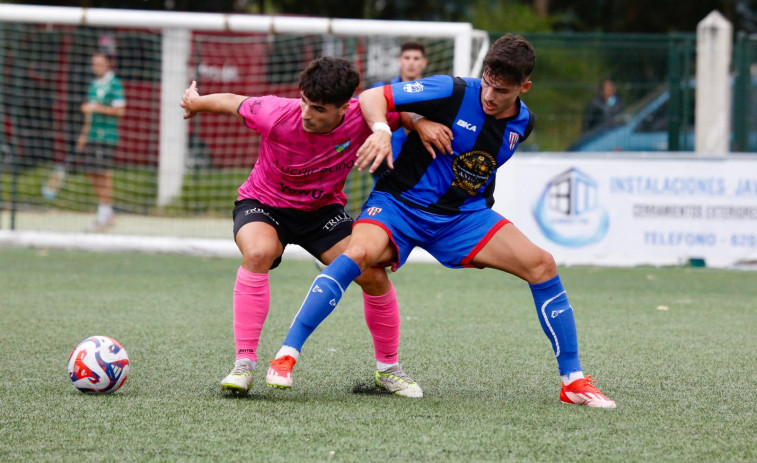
(412, 62)
(442, 203)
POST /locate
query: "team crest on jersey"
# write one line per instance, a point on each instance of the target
(413, 87)
(472, 170)
(373, 211)
(342, 145)
(513, 140)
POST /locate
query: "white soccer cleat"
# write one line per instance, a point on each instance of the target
(395, 380)
(582, 392)
(101, 226)
(240, 378)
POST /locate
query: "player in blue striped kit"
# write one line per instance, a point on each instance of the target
(442, 203)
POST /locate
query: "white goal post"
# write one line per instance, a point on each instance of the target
(175, 37)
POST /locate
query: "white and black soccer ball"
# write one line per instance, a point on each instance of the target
(98, 365)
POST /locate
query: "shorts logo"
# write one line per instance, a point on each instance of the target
(336, 220)
(513, 140)
(257, 210)
(373, 211)
(341, 146)
(413, 87)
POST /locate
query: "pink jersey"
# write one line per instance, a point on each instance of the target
(297, 169)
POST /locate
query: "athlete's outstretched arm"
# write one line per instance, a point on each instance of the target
(378, 146)
(219, 103)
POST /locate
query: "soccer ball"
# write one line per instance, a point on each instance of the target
(98, 365)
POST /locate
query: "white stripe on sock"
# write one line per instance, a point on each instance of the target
(546, 320)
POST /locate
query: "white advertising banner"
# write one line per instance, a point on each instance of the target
(625, 210)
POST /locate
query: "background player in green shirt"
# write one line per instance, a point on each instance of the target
(105, 105)
(97, 141)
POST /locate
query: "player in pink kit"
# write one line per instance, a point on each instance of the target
(294, 195)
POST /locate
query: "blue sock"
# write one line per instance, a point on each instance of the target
(556, 318)
(325, 293)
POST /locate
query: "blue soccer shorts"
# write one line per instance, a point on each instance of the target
(453, 240)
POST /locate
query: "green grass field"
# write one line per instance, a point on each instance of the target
(684, 378)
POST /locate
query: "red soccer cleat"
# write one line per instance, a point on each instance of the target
(582, 392)
(280, 372)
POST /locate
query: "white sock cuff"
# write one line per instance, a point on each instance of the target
(382, 367)
(570, 377)
(245, 360)
(288, 350)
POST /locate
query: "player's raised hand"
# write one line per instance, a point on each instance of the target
(434, 136)
(374, 150)
(186, 101)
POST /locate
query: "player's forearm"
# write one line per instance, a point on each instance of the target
(408, 120)
(219, 103)
(116, 111)
(373, 105)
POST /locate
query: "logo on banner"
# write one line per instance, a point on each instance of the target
(373, 211)
(568, 211)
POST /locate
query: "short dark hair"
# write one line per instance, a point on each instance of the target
(413, 45)
(329, 80)
(511, 59)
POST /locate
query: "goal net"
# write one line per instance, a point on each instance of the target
(170, 177)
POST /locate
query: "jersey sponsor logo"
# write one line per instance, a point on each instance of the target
(342, 145)
(371, 211)
(338, 167)
(514, 137)
(413, 87)
(334, 221)
(472, 170)
(316, 194)
(257, 210)
(467, 126)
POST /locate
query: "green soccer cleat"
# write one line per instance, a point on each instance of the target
(397, 381)
(240, 378)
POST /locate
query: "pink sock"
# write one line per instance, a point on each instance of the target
(382, 315)
(251, 300)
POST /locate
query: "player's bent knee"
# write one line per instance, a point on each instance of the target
(374, 281)
(360, 255)
(257, 261)
(543, 269)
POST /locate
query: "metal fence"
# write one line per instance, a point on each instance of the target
(655, 80)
